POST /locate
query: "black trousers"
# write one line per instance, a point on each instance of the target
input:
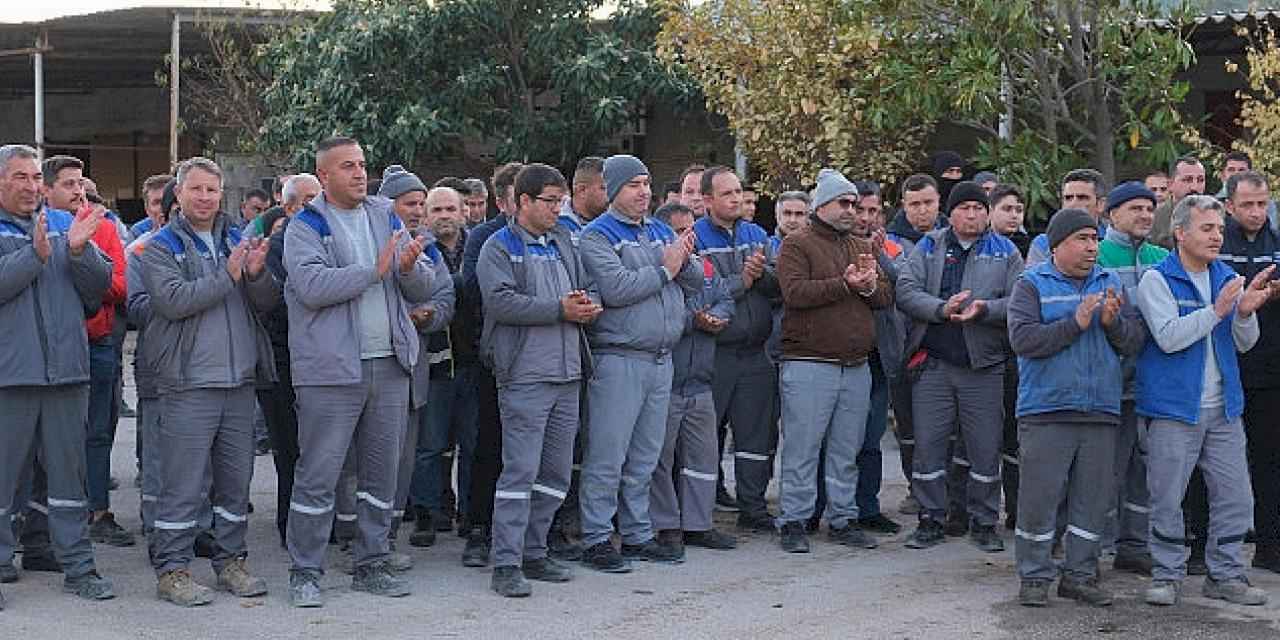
(486, 462)
(1261, 413)
(282, 425)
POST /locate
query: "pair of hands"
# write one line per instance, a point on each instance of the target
(955, 309)
(82, 229)
(1109, 302)
(1246, 300)
(579, 308)
(677, 253)
(860, 276)
(752, 269)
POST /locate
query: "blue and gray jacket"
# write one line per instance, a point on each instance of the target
(204, 332)
(644, 308)
(728, 251)
(324, 288)
(523, 278)
(43, 305)
(695, 355)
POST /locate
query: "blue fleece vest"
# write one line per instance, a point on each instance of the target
(1085, 376)
(1170, 384)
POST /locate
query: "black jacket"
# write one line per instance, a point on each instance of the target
(1260, 366)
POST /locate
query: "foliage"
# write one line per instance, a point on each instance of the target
(1259, 108)
(541, 79)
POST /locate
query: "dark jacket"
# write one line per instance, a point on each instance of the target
(695, 355)
(825, 320)
(1259, 366)
(728, 251)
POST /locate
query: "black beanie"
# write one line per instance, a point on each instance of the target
(1066, 222)
(944, 160)
(966, 191)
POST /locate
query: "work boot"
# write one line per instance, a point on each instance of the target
(603, 557)
(561, 547)
(957, 524)
(985, 538)
(1086, 591)
(851, 536)
(927, 534)
(205, 546)
(909, 506)
(1034, 593)
(673, 538)
(710, 539)
(1266, 556)
(399, 562)
(377, 579)
(756, 523)
(1131, 562)
(724, 501)
(1, 602)
(1163, 593)
(879, 524)
(89, 586)
(236, 580)
(442, 521)
(8, 573)
(346, 560)
(476, 553)
(104, 530)
(545, 570)
(180, 588)
(813, 524)
(40, 561)
(653, 551)
(424, 529)
(1235, 591)
(509, 582)
(304, 589)
(1196, 565)
(794, 539)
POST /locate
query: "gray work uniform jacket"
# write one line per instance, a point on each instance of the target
(323, 295)
(203, 332)
(43, 305)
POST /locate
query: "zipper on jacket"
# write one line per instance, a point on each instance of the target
(44, 337)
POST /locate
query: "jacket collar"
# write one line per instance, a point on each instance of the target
(621, 217)
(1123, 239)
(821, 227)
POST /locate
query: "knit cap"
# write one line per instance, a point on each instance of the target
(1066, 222)
(1129, 191)
(397, 181)
(966, 192)
(831, 185)
(619, 170)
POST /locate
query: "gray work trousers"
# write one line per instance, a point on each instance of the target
(944, 398)
(369, 418)
(344, 499)
(1217, 446)
(1074, 460)
(690, 446)
(745, 388)
(627, 404)
(149, 432)
(1133, 502)
(205, 441)
(48, 424)
(822, 402)
(404, 472)
(539, 424)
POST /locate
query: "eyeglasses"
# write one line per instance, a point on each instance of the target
(847, 203)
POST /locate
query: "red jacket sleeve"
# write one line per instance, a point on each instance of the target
(108, 242)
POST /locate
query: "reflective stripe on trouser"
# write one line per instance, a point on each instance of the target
(1133, 502)
(404, 472)
(368, 418)
(1071, 459)
(690, 452)
(627, 407)
(1217, 447)
(148, 431)
(944, 398)
(822, 401)
(205, 440)
(744, 389)
(539, 423)
(48, 424)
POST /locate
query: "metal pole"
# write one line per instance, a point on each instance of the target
(38, 57)
(174, 53)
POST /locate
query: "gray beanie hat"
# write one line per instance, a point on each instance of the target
(396, 181)
(619, 170)
(1066, 222)
(831, 185)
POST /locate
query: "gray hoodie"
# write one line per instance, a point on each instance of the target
(203, 332)
(323, 294)
(522, 279)
(43, 305)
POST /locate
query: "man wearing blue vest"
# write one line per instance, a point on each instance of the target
(1068, 315)
(1200, 313)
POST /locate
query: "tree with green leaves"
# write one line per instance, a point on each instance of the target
(542, 79)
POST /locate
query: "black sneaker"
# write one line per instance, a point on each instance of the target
(1264, 557)
(710, 539)
(1086, 591)
(813, 523)
(546, 570)
(928, 534)
(476, 553)
(1196, 565)
(509, 582)
(794, 539)
(40, 561)
(756, 523)
(985, 538)
(653, 551)
(879, 524)
(262, 448)
(957, 525)
(206, 546)
(561, 547)
(851, 536)
(1034, 593)
(724, 501)
(8, 573)
(104, 530)
(603, 557)
(1140, 563)
(424, 531)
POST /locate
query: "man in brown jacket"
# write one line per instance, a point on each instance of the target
(830, 283)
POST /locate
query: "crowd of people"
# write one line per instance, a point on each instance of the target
(584, 359)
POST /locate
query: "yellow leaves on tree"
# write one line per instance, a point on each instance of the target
(1259, 109)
